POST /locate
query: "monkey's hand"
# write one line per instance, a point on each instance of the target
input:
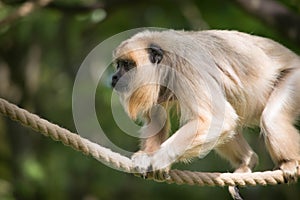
(161, 163)
(142, 163)
(154, 166)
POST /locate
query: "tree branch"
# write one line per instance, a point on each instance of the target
(28, 7)
(275, 15)
(24, 10)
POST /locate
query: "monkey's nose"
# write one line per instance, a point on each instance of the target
(114, 80)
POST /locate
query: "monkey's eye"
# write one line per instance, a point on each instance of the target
(125, 65)
(155, 53)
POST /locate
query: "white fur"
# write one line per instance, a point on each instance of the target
(223, 81)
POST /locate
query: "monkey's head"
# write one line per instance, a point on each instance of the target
(139, 78)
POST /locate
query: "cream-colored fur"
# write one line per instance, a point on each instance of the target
(223, 81)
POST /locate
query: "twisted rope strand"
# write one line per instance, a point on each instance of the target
(124, 163)
(65, 136)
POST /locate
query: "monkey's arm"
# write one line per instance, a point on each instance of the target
(155, 131)
(187, 142)
(152, 143)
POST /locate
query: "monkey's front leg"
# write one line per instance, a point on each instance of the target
(141, 158)
(152, 138)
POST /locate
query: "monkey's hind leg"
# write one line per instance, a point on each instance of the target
(277, 122)
(238, 152)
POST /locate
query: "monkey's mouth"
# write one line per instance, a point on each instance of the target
(165, 95)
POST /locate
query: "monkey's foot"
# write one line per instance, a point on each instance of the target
(290, 171)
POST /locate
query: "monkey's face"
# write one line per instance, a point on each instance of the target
(137, 77)
(122, 66)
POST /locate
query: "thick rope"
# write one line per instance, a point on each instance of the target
(123, 163)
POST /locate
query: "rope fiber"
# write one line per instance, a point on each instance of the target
(124, 163)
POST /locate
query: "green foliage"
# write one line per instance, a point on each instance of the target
(54, 41)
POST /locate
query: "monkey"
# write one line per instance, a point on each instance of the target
(221, 81)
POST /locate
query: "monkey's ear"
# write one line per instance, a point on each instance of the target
(155, 53)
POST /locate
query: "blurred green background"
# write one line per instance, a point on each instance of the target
(40, 53)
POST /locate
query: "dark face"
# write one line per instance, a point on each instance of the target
(124, 65)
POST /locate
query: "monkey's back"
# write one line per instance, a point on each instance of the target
(252, 66)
